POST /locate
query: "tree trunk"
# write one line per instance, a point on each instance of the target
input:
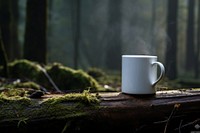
(153, 23)
(3, 58)
(113, 51)
(171, 49)
(77, 28)
(16, 51)
(190, 54)
(5, 22)
(198, 44)
(35, 31)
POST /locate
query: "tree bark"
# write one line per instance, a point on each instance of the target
(171, 49)
(113, 51)
(77, 32)
(5, 22)
(16, 51)
(3, 58)
(198, 43)
(35, 31)
(190, 54)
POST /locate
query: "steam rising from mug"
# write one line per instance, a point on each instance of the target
(139, 74)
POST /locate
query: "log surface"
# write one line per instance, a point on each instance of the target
(166, 112)
(140, 113)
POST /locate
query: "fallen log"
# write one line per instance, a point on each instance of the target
(162, 112)
(166, 111)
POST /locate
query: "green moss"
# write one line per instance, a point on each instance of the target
(64, 77)
(13, 92)
(24, 69)
(109, 82)
(28, 84)
(96, 73)
(67, 106)
(69, 79)
(16, 101)
(21, 89)
(85, 98)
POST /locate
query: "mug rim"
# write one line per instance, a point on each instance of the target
(140, 56)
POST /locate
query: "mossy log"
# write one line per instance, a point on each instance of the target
(167, 111)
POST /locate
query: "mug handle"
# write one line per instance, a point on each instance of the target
(162, 72)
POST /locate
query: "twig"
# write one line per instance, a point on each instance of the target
(175, 107)
(49, 78)
(164, 121)
(159, 122)
(165, 130)
(187, 124)
(179, 129)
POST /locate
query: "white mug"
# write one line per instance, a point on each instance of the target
(139, 74)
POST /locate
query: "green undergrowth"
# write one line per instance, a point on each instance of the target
(65, 78)
(110, 81)
(19, 84)
(178, 84)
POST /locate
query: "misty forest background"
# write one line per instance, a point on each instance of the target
(84, 34)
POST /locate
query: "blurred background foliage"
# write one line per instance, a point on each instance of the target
(94, 34)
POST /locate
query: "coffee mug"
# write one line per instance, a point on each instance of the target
(139, 74)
